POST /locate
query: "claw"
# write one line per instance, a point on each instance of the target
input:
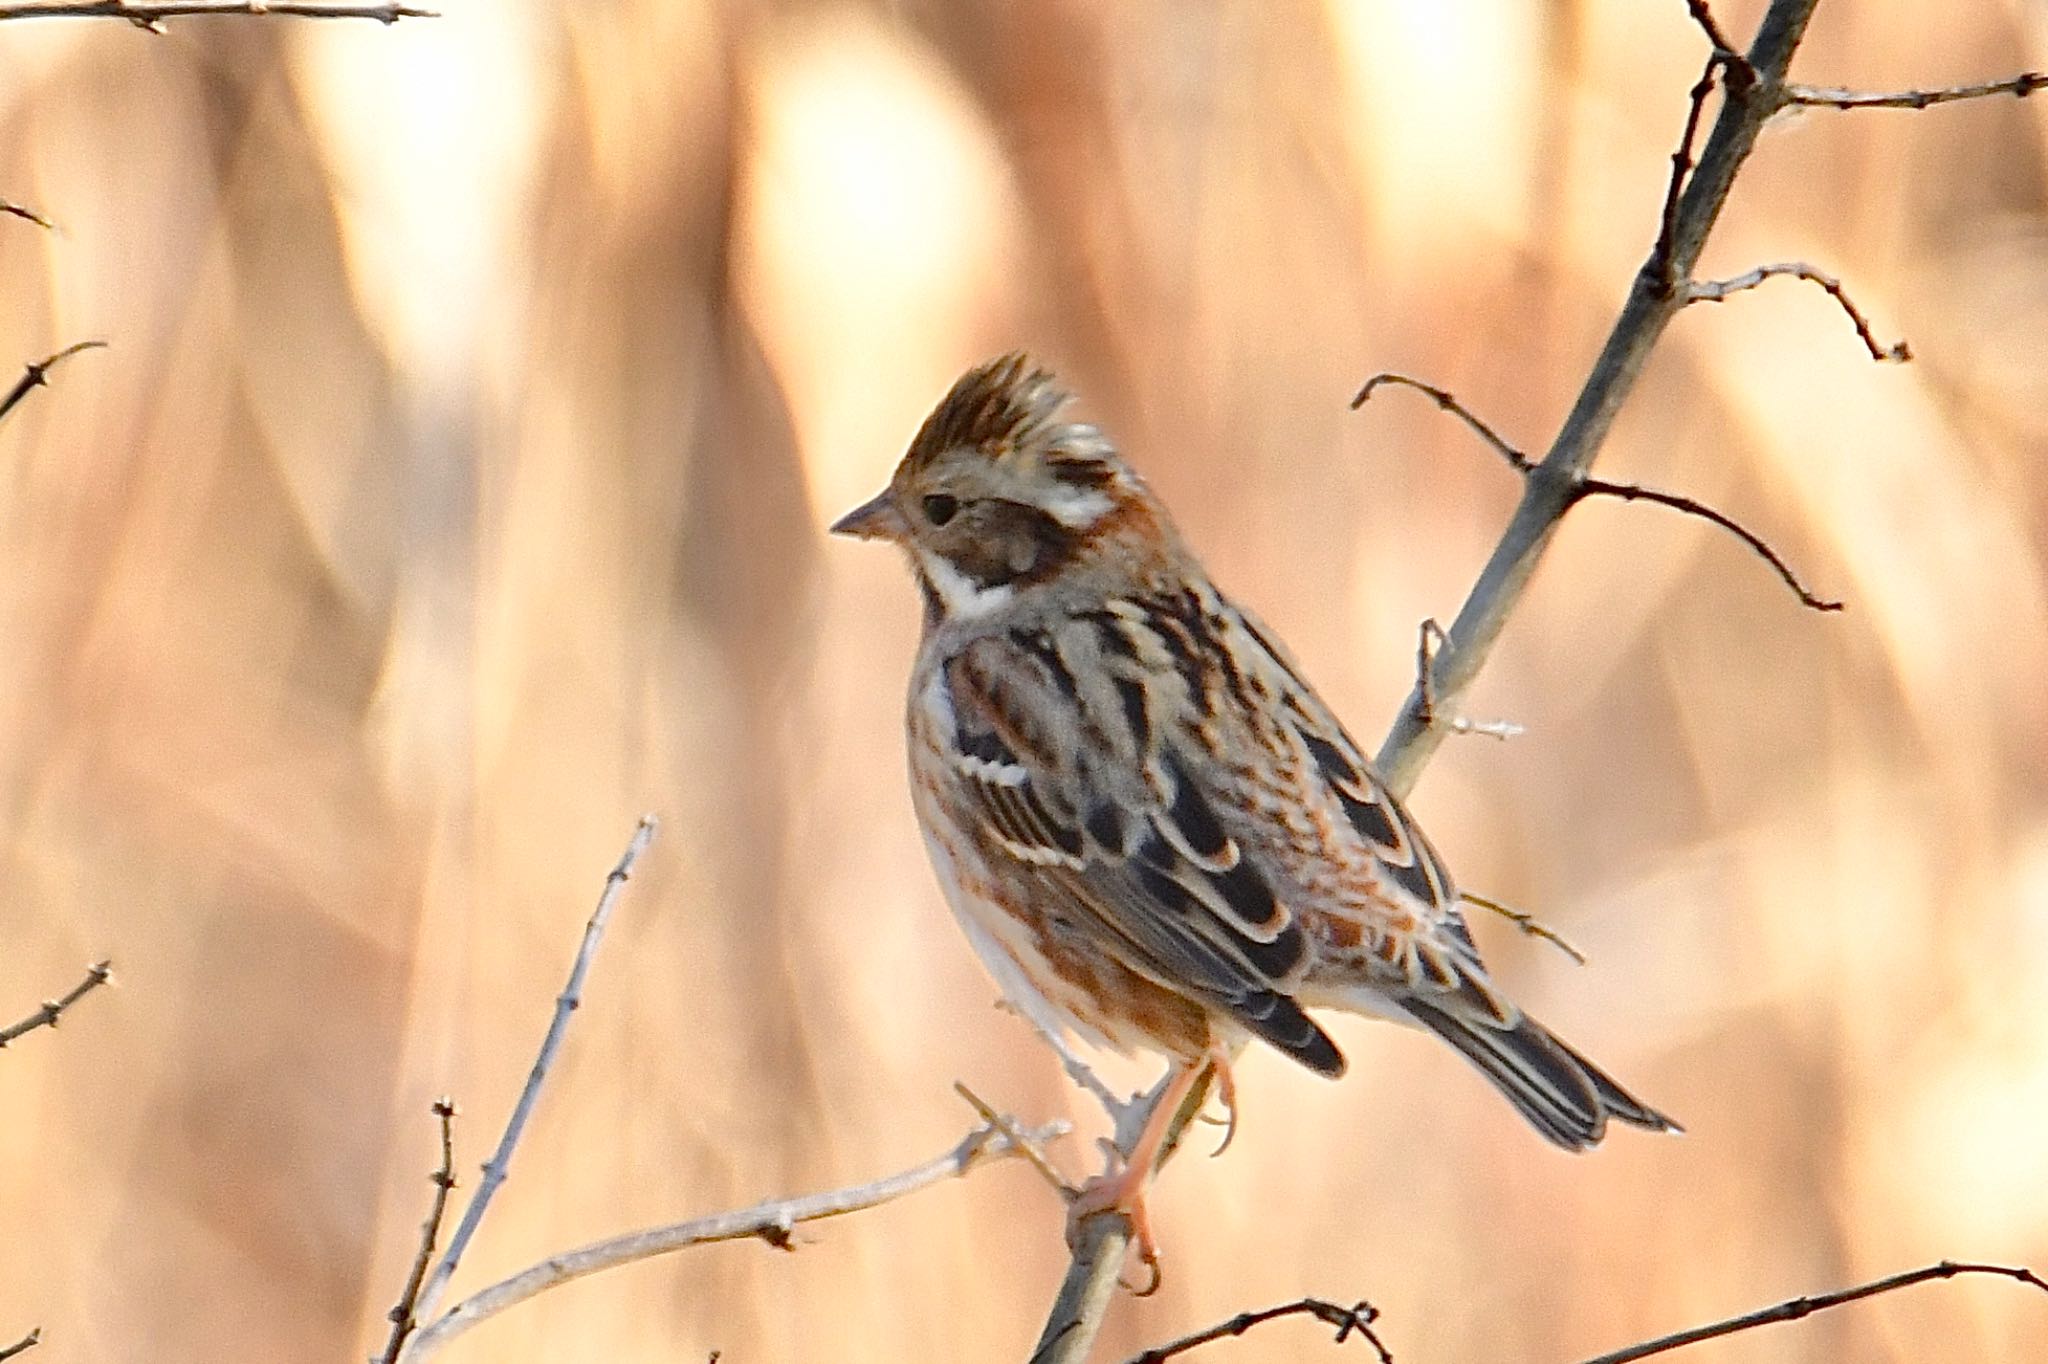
(1226, 1090)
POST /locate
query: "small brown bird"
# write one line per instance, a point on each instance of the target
(1151, 827)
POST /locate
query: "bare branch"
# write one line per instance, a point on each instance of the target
(404, 1319)
(770, 1221)
(1803, 1307)
(1723, 49)
(1102, 1240)
(1661, 263)
(1349, 1321)
(1834, 97)
(16, 210)
(150, 14)
(565, 1005)
(27, 1342)
(1630, 492)
(1527, 922)
(1716, 291)
(1515, 458)
(1025, 1146)
(34, 374)
(1425, 668)
(1652, 301)
(96, 975)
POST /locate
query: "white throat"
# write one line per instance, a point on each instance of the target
(963, 598)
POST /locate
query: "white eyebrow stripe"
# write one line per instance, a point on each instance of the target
(1075, 508)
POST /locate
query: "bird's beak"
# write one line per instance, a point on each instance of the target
(874, 519)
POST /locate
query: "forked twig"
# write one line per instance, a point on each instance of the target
(1834, 97)
(404, 1317)
(565, 1005)
(1351, 1321)
(1423, 701)
(1528, 923)
(1002, 1123)
(96, 975)
(1715, 291)
(770, 1221)
(1797, 1308)
(34, 374)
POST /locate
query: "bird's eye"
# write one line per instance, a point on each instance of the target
(939, 508)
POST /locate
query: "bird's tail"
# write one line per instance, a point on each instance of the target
(1566, 1097)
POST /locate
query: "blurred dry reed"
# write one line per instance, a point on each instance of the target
(452, 490)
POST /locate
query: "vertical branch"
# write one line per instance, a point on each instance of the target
(1652, 301)
(515, 1127)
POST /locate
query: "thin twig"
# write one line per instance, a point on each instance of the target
(1423, 701)
(1349, 1321)
(96, 975)
(404, 1317)
(1631, 492)
(1518, 461)
(1661, 264)
(1803, 1307)
(16, 210)
(33, 374)
(1528, 923)
(1834, 97)
(1079, 1071)
(150, 13)
(27, 1342)
(565, 1005)
(1652, 301)
(1425, 667)
(771, 1220)
(1715, 291)
(1704, 17)
(1002, 1123)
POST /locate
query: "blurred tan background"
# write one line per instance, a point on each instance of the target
(453, 491)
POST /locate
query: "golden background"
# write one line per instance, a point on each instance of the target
(453, 491)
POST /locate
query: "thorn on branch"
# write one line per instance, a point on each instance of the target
(1834, 97)
(1518, 461)
(781, 1235)
(1351, 1321)
(47, 1014)
(1527, 922)
(1631, 492)
(1717, 291)
(35, 374)
(403, 1317)
(27, 1342)
(1797, 1308)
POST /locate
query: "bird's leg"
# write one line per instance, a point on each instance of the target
(1123, 1191)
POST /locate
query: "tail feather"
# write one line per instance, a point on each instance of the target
(1563, 1095)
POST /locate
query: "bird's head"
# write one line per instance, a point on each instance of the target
(997, 494)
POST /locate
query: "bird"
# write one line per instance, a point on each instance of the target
(1156, 835)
